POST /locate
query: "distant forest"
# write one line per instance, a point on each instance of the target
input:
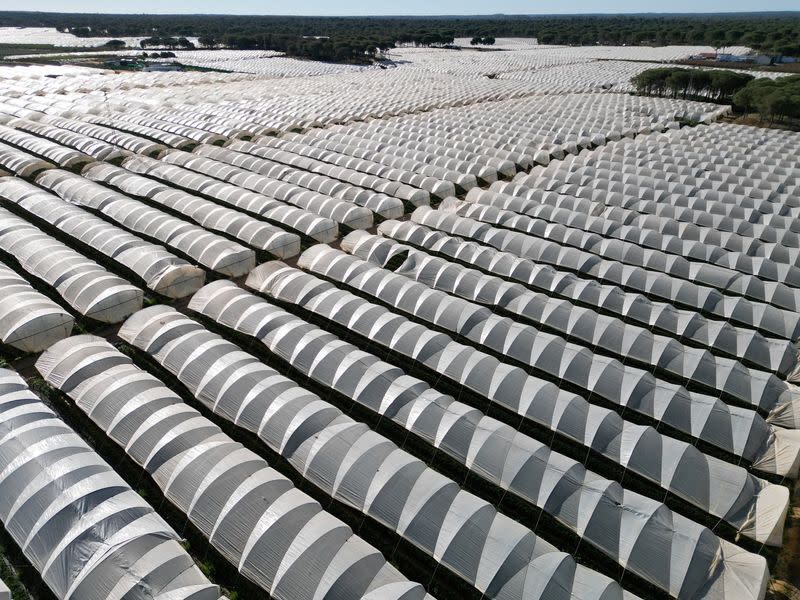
(362, 38)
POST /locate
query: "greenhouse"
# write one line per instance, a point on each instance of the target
(473, 322)
(82, 284)
(254, 516)
(207, 249)
(29, 320)
(82, 528)
(359, 467)
(160, 271)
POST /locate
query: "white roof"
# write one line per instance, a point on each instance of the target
(79, 524)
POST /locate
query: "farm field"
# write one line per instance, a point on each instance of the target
(456, 325)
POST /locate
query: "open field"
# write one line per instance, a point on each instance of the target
(460, 325)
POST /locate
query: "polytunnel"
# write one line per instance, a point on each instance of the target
(361, 468)
(161, 271)
(249, 230)
(568, 415)
(684, 293)
(746, 344)
(379, 203)
(482, 168)
(208, 249)
(162, 138)
(184, 131)
(29, 320)
(626, 253)
(87, 533)
(739, 430)
(389, 153)
(385, 155)
(343, 212)
(274, 534)
(320, 355)
(599, 333)
(90, 146)
(575, 212)
(83, 284)
(129, 142)
(21, 163)
(303, 221)
(62, 156)
(409, 178)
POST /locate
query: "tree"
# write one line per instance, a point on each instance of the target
(207, 41)
(488, 41)
(772, 99)
(475, 41)
(718, 85)
(724, 83)
(699, 82)
(114, 44)
(679, 82)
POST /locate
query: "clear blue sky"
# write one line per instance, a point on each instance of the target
(404, 7)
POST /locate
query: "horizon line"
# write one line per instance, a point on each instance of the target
(401, 16)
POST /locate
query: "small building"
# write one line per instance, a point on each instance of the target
(162, 67)
(739, 58)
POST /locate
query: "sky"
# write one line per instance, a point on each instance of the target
(406, 7)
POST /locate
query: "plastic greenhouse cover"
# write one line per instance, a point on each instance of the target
(87, 533)
(277, 536)
(356, 465)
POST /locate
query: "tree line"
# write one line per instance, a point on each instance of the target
(774, 33)
(773, 99)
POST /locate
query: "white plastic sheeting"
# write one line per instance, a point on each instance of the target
(587, 244)
(90, 536)
(726, 186)
(301, 173)
(206, 248)
(303, 221)
(603, 335)
(577, 213)
(357, 174)
(184, 131)
(160, 270)
(249, 230)
(682, 557)
(62, 156)
(21, 163)
(719, 336)
(29, 320)
(129, 142)
(738, 430)
(341, 211)
(685, 293)
(407, 176)
(387, 152)
(754, 507)
(82, 283)
(274, 534)
(163, 138)
(634, 447)
(440, 181)
(93, 147)
(500, 557)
